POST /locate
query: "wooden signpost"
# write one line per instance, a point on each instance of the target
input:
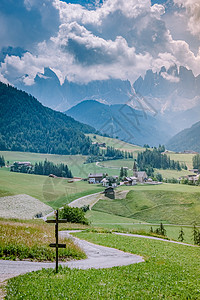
(56, 244)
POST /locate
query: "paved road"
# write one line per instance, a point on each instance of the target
(97, 257)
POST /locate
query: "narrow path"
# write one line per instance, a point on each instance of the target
(85, 200)
(97, 257)
(153, 238)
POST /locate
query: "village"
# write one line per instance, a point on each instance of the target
(138, 177)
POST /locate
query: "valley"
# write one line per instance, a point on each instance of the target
(140, 211)
(99, 150)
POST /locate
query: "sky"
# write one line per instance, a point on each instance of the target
(82, 41)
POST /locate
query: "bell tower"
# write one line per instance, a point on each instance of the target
(134, 169)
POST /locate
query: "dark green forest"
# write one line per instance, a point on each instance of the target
(43, 168)
(26, 125)
(110, 153)
(148, 160)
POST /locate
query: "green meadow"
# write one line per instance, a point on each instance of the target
(182, 158)
(154, 204)
(76, 163)
(170, 271)
(52, 191)
(129, 225)
(118, 144)
(128, 163)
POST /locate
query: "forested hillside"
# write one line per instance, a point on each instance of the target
(187, 139)
(26, 125)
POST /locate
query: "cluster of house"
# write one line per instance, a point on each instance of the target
(138, 177)
(192, 177)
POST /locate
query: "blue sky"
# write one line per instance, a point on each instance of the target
(90, 40)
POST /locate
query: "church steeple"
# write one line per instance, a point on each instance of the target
(134, 169)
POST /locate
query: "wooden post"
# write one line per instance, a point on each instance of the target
(56, 232)
(57, 245)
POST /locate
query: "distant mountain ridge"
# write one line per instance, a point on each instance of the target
(187, 139)
(26, 125)
(50, 92)
(170, 93)
(123, 121)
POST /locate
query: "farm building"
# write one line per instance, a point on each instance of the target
(95, 178)
(109, 192)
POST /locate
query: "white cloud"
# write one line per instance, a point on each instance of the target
(193, 14)
(120, 39)
(4, 80)
(169, 77)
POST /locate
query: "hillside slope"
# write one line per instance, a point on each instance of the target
(187, 139)
(130, 125)
(26, 125)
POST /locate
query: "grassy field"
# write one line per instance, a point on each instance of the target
(169, 272)
(117, 164)
(183, 158)
(74, 162)
(30, 240)
(122, 224)
(169, 174)
(155, 205)
(78, 168)
(100, 218)
(53, 191)
(13, 156)
(117, 144)
(162, 187)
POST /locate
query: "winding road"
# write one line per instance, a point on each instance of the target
(97, 257)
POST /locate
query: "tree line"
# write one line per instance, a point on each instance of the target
(196, 161)
(110, 153)
(148, 160)
(43, 168)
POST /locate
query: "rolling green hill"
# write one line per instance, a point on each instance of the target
(116, 143)
(55, 192)
(154, 206)
(26, 125)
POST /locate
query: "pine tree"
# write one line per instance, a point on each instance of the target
(121, 172)
(181, 235)
(125, 172)
(195, 234)
(2, 161)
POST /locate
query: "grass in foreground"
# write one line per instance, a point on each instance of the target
(169, 272)
(30, 240)
(154, 206)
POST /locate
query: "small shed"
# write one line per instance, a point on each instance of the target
(110, 192)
